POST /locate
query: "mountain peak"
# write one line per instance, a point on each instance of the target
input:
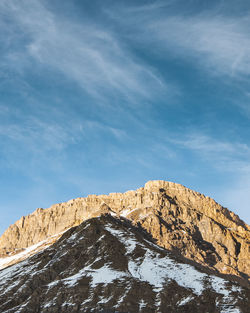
(179, 219)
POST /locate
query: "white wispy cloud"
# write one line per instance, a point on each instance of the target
(207, 144)
(40, 137)
(210, 39)
(35, 134)
(98, 127)
(230, 156)
(91, 56)
(219, 43)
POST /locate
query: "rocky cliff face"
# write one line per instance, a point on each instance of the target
(106, 265)
(179, 219)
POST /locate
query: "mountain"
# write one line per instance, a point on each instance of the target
(161, 248)
(183, 221)
(107, 264)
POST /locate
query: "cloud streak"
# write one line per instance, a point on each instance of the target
(91, 56)
(210, 39)
(221, 44)
(227, 156)
(41, 137)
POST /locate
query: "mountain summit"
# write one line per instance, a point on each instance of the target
(161, 248)
(179, 219)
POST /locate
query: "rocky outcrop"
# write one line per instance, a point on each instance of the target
(179, 219)
(106, 265)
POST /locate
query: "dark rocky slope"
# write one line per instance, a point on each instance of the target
(107, 265)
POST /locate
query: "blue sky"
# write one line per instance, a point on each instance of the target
(102, 96)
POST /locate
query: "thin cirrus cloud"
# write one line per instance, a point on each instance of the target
(211, 38)
(221, 44)
(89, 55)
(31, 142)
(226, 156)
(35, 38)
(33, 133)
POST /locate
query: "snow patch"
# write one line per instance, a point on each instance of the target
(104, 275)
(157, 297)
(105, 300)
(142, 304)
(128, 241)
(21, 255)
(185, 300)
(126, 212)
(72, 237)
(31, 250)
(49, 304)
(123, 297)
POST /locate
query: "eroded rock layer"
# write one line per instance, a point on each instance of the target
(179, 219)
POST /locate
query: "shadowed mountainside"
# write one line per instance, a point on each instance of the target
(108, 265)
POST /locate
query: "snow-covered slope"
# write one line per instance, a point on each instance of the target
(107, 265)
(31, 250)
